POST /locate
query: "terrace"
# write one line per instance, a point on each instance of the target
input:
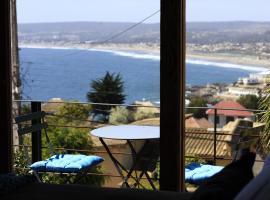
(205, 145)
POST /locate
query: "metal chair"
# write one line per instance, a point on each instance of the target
(241, 138)
(57, 163)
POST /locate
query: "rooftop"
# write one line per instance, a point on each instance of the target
(241, 112)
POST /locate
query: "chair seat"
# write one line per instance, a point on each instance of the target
(66, 163)
(197, 173)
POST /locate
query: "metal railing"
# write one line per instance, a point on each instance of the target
(36, 138)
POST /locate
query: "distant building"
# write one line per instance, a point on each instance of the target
(225, 116)
(263, 77)
(250, 81)
(241, 91)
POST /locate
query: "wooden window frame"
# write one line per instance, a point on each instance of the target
(172, 93)
(5, 89)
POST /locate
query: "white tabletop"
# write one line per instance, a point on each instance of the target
(127, 132)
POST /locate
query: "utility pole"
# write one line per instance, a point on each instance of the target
(16, 83)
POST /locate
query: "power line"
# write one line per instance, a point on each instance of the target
(129, 28)
(118, 34)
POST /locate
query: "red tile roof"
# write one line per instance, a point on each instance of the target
(192, 122)
(200, 142)
(230, 104)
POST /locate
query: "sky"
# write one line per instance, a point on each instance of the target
(30, 11)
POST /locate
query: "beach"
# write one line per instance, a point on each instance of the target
(154, 49)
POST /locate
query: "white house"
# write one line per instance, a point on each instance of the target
(227, 111)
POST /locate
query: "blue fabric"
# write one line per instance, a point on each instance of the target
(66, 163)
(197, 173)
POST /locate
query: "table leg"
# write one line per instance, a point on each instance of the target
(136, 158)
(116, 163)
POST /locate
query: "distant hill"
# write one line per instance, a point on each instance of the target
(197, 32)
(236, 32)
(88, 32)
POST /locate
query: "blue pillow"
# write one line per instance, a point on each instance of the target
(197, 173)
(66, 163)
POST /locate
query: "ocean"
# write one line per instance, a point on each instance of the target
(66, 73)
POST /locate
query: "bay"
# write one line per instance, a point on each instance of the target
(66, 73)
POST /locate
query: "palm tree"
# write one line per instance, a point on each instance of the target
(108, 89)
(265, 118)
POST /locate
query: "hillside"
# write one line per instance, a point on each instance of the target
(89, 32)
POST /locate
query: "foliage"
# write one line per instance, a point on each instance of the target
(197, 102)
(69, 138)
(73, 112)
(108, 89)
(21, 161)
(264, 104)
(249, 101)
(25, 108)
(120, 115)
(141, 114)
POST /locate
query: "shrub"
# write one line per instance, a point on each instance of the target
(120, 115)
(141, 114)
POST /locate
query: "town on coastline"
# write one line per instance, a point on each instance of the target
(252, 85)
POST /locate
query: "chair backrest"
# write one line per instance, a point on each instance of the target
(33, 123)
(26, 126)
(244, 135)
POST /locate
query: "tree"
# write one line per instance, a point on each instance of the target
(74, 112)
(264, 104)
(197, 102)
(249, 101)
(67, 135)
(108, 89)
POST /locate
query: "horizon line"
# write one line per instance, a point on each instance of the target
(130, 22)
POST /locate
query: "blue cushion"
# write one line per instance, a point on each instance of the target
(197, 173)
(66, 163)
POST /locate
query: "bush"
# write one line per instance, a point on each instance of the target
(141, 114)
(197, 102)
(73, 113)
(120, 115)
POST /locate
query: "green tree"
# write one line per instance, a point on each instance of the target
(108, 89)
(264, 104)
(197, 102)
(71, 138)
(249, 101)
(73, 113)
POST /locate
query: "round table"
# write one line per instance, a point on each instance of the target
(127, 132)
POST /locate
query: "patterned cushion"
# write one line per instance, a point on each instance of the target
(197, 173)
(66, 163)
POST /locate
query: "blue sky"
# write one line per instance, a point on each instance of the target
(136, 10)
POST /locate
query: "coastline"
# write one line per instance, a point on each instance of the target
(154, 50)
(230, 58)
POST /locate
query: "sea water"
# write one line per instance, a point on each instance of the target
(67, 73)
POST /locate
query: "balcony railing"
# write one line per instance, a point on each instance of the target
(213, 136)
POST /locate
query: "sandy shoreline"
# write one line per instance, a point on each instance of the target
(154, 49)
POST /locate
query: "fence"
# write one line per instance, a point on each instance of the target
(36, 139)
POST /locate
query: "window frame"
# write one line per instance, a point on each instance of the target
(5, 89)
(172, 93)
